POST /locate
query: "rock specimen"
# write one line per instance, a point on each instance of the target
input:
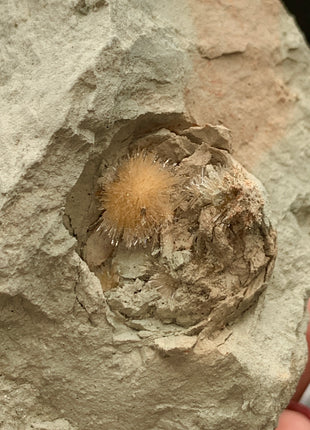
(191, 330)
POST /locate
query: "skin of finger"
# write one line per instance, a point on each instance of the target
(291, 420)
(305, 377)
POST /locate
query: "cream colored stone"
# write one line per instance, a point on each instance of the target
(80, 82)
(175, 345)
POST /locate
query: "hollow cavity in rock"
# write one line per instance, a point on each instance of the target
(211, 260)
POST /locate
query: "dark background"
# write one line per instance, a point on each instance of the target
(301, 10)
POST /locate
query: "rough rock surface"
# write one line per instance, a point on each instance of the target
(78, 79)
